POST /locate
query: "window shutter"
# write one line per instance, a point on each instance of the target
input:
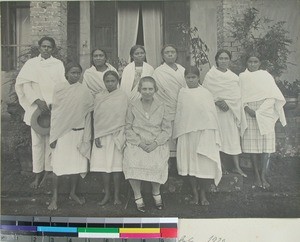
(73, 31)
(176, 13)
(104, 27)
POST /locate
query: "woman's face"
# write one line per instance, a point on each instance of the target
(99, 58)
(111, 83)
(46, 49)
(192, 80)
(139, 55)
(253, 63)
(169, 55)
(147, 90)
(223, 61)
(73, 75)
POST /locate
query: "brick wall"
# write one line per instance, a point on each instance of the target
(49, 18)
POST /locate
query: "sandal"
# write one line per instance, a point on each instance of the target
(158, 201)
(140, 205)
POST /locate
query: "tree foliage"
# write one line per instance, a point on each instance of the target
(268, 38)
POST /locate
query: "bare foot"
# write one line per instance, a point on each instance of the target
(257, 182)
(104, 200)
(117, 201)
(203, 199)
(53, 204)
(265, 184)
(225, 172)
(44, 178)
(204, 202)
(194, 201)
(34, 184)
(239, 171)
(79, 200)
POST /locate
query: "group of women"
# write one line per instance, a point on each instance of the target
(138, 117)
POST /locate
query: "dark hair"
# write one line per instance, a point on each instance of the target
(134, 48)
(163, 49)
(92, 54)
(71, 65)
(193, 70)
(51, 40)
(112, 73)
(221, 52)
(253, 54)
(147, 79)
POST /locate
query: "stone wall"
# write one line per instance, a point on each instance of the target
(49, 18)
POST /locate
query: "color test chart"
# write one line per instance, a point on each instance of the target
(78, 229)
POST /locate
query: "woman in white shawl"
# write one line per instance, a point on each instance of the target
(93, 77)
(169, 77)
(70, 133)
(263, 105)
(197, 129)
(224, 85)
(134, 71)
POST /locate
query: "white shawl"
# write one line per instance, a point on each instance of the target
(260, 85)
(93, 79)
(225, 86)
(42, 75)
(128, 79)
(196, 111)
(169, 83)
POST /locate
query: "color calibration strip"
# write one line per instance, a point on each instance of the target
(124, 228)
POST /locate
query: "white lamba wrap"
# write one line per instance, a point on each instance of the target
(225, 86)
(196, 116)
(169, 83)
(260, 85)
(42, 75)
(94, 79)
(71, 105)
(128, 79)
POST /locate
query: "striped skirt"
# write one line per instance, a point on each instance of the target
(253, 141)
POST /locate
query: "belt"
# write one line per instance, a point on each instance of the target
(77, 129)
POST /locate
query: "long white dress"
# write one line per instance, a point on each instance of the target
(197, 129)
(66, 158)
(225, 86)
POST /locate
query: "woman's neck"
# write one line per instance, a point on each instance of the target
(147, 101)
(138, 64)
(172, 65)
(222, 69)
(101, 68)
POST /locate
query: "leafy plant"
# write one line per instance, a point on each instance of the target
(199, 49)
(289, 89)
(119, 64)
(262, 35)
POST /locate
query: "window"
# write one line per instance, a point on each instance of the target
(117, 26)
(15, 32)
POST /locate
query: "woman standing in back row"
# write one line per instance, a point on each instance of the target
(263, 105)
(224, 85)
(134, 71)
(93, 77)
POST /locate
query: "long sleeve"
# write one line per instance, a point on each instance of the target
(130, 135)
(30, 94)
(166, 130)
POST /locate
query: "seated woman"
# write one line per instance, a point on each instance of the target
(133, 72)
(70, 133)
(147, 151)
(197, 129)
(109, 124)
(263, 105)
(224, 86)
(93, 77)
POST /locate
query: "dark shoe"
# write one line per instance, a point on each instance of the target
(158, 201)
(140, 205)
